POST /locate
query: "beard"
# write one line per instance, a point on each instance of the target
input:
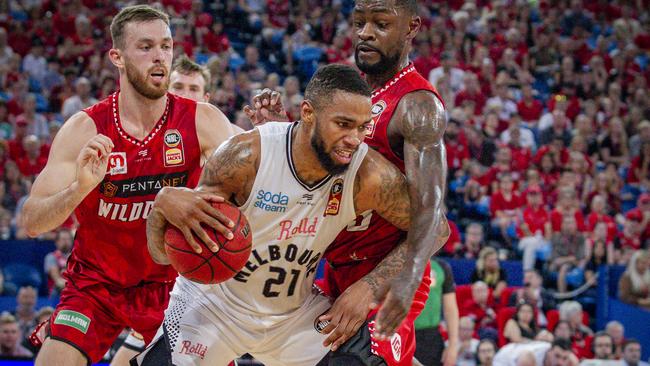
(323, 156)
(385, 63)
(142, 86)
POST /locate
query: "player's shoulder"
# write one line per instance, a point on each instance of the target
(375, 170)
(210, 113)
(421, 100)
(245, 143)
(80, 125)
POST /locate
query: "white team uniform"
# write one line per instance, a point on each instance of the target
(268, 309)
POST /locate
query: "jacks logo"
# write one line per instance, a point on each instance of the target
(334, 201)
(377, 109)
(269, 201)
(142, 186)
(173, 149)
(117, 163)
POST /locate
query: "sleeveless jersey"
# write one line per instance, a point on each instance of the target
(292, 225)
(111, 243)
(367, 240)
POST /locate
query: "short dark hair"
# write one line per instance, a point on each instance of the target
(409, 5)
(185, 66)
(564, 344)
(331, 78)
(135, 13)
(629, 341)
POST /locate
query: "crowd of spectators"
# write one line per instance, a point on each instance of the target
(548, 141)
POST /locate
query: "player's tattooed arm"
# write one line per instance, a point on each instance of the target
(228, 174)
(420, 117)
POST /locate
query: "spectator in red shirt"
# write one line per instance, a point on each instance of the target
(16, 150)
(505, 208)
(605, 187)
(629, 239)
(473, 241)
(599, 214)
(471, 92)
(639, 172)
(425, 61)
(521, 154)
(33, 161)
(457, 148)
(454, 242)
(529, 108)
(535, 231)
(480, 308)
(216, 40)
(503, 164)
(567, 205)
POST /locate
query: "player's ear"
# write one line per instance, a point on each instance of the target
(116, 57)
(307, 111)
(414, 27)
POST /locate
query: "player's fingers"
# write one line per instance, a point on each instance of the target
(205, 238)
(336, 334)
(249, 112)
(211, 197)
(98, 147)
(106, 141)
(212, 222)
(275, 99)
(189, 237)
(223, 219)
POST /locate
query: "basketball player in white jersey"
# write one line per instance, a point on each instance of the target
(299, 185)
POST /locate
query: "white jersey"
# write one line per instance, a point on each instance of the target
(292, 225)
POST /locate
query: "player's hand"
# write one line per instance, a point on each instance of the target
(92, 162)
(187, 209)
(347, 315)
(267, 106)
(395, 298)
(450, 355)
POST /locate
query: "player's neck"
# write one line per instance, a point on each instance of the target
(376, 81)
(139, 112)
(308, 168)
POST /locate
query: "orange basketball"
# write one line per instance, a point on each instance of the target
(208, 267)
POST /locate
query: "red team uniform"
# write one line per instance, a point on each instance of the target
(365, 243)
(112, 282)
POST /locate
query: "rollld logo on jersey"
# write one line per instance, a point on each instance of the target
(302, 228)
(173, 149)
(269, 201)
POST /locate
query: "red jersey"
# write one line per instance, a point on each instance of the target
(368, 240)
(111, 242)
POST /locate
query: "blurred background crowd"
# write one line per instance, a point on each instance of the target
(548, 140)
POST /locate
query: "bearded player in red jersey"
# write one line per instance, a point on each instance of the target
(408, 126)
(108, 162)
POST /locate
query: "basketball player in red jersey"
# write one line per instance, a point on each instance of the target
(108, 162)
(188, 80)
(408, 127)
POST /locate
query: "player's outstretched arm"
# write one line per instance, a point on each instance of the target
(228, 173)
(77, 163)
(421, 120)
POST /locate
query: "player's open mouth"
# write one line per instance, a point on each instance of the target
(344, 156)
(158, 76)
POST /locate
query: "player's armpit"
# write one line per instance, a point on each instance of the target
(230, 171)
(212, 128)
(381, 187)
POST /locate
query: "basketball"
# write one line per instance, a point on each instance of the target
(208, 267)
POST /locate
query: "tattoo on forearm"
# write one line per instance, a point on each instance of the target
(388, 268)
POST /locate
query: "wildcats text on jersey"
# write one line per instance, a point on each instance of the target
(124, 212)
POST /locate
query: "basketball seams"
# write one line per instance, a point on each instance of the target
(206, 258)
